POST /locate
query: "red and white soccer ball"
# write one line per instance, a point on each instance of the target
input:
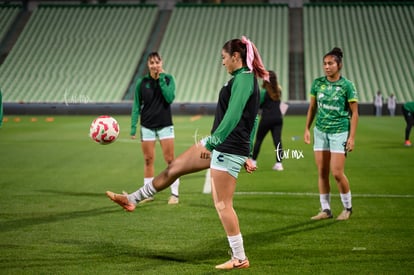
(104, 130)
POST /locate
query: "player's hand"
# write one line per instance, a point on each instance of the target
(133, 137)
(306, 136)
(205, 154)
(350, 144)
(249, 166)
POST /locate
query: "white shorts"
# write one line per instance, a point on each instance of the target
(160, 133)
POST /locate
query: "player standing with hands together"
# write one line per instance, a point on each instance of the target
(333, 102)
(154, 94)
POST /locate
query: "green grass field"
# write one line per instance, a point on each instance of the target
(56, 219)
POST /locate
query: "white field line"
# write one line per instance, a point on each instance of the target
(316, 194)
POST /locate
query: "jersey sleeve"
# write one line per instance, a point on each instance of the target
(136, 108)
(313, 89)
(240, 92)
(351, 92)
(167, 84)
(262, 96)
(253, 135)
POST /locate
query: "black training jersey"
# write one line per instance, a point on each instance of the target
(153, 98)
(270, 108)
(235, 115)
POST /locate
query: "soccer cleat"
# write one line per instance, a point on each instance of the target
(325, 214)
(278, 166)
(234, 263)
(122, 200)
(344, 215)
(407, 143)
(149, 199)
(173, 199)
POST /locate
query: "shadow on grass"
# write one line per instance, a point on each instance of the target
(53, 217)
(71, 193)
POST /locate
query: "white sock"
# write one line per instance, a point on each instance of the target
(144, 192)
(148, 180)
(325, 200)
(347, 200)
(174, 187)
(236, 245)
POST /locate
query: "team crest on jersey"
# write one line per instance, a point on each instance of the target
(321, 95)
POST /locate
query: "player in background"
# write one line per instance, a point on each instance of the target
(271, 119)
(1, 109)
(333, 102)
(408, 113)
(226, 150)
(154, 94)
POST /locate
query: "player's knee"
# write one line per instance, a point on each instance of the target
(220, 206)
(149, 160)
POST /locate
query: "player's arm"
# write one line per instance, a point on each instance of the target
(253, 135)
(240, 92)
(167, 84)
(262, 96)
(309, 118)
(136, 108)
(353, 106)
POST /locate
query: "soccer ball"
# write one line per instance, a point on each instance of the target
(104, 130)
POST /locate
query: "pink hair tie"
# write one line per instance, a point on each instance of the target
(249, 52)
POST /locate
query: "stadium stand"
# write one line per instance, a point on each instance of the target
(192, 44)
(77, 53)
(8, 14)
(377, 42)
(94, 53)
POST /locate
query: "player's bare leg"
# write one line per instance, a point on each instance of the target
(188, 162)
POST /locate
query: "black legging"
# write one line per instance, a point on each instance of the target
(409, 119)
(275, 127)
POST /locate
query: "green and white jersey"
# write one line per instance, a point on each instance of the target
(409, 106)
(332, 99)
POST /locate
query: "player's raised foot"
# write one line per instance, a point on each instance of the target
(149, 199)
(325, 214)
(407, 143)
(234, 263)
(344, 215)
(122, 200)
(173, 199)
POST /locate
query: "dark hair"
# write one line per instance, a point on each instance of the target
(239, 45)
(236, 46)
(272, 87)
(154, 54)
(336, 53)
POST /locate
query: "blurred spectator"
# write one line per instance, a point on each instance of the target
(378, 103)
(391, 104)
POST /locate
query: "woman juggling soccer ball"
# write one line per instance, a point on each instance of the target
(225, 151)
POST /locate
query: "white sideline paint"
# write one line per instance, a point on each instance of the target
(317, 194)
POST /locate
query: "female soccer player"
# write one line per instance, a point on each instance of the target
(408, 113)
(334, 103)
(154, 94)
(271, 119)
(226, 150)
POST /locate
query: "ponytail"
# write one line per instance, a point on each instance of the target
(249, 54)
